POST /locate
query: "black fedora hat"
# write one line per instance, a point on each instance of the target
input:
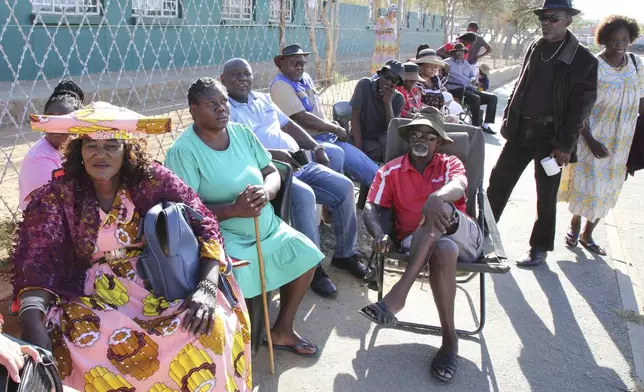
(396, 68)
(459, 46)
(289, 50)
(553, 5)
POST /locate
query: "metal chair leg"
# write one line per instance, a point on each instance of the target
(380, 260)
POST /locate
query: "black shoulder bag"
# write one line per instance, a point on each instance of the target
(34, 377)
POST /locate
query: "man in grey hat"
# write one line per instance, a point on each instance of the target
(545, 113)
(293, 91)
(460, 83)
(374, 103)
(426, 192)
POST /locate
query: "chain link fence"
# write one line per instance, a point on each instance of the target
(144, 54)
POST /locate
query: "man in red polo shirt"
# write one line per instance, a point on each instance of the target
(426, 192)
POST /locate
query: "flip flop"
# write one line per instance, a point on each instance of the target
(593, 248)
(295, 348)
(444, 366)
(379, 313)
(572, 239)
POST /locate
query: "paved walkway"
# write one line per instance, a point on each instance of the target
(549, 329)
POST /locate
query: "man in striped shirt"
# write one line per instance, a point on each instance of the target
(426, 192)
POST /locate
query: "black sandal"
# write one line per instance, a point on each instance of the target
(593, 248)
(444, 366)
(572, 239)
(379, 313)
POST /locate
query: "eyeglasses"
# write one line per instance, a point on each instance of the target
(430, 137)
(549, 18)
(296, 64)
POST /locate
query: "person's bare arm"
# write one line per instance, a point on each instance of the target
(373, 216)
(311, 121)
(488, 50)
(356, 127)
(249, 202)
(388, 97)
(301, 137)
(442, 53)
(452, 191)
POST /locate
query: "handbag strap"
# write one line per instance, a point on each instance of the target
(634, 62)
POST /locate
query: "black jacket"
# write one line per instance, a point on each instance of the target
(574, 93)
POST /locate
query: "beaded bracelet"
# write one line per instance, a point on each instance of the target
(208, 286)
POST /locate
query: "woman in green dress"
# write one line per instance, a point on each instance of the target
(233, 174)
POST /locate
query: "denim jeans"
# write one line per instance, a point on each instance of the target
(317, 184)
(355, 163)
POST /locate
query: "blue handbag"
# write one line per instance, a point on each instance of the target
(170, 260)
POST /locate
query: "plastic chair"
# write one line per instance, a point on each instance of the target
(469, 147)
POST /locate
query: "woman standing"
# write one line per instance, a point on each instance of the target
(592, 185)
(386, 39)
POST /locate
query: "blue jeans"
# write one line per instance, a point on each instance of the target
(355, 163)
(317, 184)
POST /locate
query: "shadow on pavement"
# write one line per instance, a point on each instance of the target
(560, 360)
(583, 274)
(405, 367)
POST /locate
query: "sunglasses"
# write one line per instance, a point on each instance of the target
(430, 137)
(549, 18)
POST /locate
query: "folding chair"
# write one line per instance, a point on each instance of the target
(469, 147)
(282, 206)
(342, 114)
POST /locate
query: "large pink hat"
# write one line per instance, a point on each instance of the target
(102, 120)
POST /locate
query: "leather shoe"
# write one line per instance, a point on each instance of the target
(322, 285)
(533, 258)
(351, 264)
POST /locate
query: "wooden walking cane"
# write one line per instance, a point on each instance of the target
(262, 277)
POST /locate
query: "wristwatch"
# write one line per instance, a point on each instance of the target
(318, 147)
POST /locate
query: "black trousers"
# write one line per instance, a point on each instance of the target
(474, 99)
(514, 158)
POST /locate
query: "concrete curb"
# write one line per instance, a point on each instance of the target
(503, 76)
(627, 294)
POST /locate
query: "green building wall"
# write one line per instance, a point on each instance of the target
(114, 42)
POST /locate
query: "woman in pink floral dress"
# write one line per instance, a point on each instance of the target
(76, 276)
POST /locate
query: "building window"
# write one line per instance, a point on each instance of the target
(164, 8)
(67, 7)
(274, 15)
(237, 10)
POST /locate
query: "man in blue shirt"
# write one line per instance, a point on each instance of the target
(460, 83)
(314, 183)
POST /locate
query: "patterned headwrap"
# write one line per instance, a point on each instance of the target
(392, 8)
(101, 120)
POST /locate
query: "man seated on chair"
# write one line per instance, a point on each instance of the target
(374, 103)
(294, 93)
(461, 81)
(425, 190)
(312, 183)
